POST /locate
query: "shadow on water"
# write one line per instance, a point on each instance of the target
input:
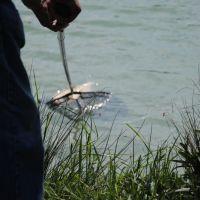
(115, 106)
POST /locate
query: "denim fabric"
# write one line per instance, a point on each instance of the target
(21, 149)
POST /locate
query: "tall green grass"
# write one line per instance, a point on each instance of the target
(80, 164)
(88, 167)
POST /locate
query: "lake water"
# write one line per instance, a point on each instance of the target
(146, 52)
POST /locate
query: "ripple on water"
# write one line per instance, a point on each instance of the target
(145, 51)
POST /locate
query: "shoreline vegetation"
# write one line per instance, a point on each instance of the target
(80, 164)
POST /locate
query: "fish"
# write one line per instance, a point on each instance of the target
(82, 96)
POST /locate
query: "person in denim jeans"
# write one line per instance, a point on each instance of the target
(21, 148)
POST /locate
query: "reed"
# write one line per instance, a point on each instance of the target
(189, 148)
(92, 167)
(80, 164)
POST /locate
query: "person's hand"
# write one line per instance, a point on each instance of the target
(54, 14)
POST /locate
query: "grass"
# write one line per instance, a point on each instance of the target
(88, 167)
(80, 164)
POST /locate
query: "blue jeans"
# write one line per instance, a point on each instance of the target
(21, 148)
